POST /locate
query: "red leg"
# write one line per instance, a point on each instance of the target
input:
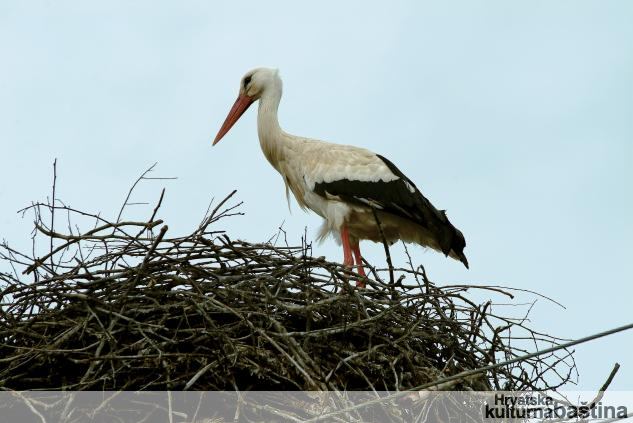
(359, 263)
(347, 252)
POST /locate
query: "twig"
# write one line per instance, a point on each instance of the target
(53, 210)
(386, 247)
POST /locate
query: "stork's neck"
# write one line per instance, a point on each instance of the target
(271, 137)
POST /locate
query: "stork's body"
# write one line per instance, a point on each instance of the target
(343, 183)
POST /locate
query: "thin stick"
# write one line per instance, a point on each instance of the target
(53, 210)
(386, 247)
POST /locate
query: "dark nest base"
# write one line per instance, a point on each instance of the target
(124, 307)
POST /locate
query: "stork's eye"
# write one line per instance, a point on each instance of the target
(247, 81)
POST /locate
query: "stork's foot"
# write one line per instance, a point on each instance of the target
(360, 283)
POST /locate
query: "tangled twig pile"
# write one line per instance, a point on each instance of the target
(123, 306)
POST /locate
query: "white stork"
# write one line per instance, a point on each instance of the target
(342, 183)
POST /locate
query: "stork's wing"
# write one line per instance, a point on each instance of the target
(398, 195)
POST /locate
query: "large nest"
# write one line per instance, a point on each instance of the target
(122, 306)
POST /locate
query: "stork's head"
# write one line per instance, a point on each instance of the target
(255, 84)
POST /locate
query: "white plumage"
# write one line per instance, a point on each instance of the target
(342, 183)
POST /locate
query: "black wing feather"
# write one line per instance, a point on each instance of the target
(395, 197)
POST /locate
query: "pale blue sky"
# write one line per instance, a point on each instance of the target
(517, 117)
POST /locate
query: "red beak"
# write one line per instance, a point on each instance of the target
(238, 109)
